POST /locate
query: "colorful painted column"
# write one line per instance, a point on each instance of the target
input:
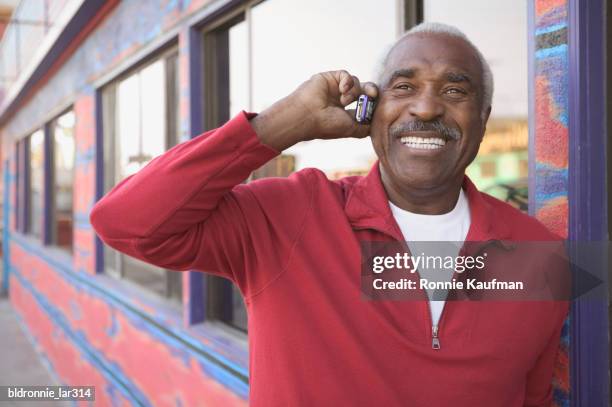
(548, 147)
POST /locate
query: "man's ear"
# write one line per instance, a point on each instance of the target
(486, 117)
(485, 120)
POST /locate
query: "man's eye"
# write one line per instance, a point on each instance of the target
(455, 91)
(403, 86)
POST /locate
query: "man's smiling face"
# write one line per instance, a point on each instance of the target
(428, 123)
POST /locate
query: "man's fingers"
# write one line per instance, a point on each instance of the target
(370, 89)
(350, 88)
(345, 81)
(351, 94)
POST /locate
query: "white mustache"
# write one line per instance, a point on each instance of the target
(418, 125)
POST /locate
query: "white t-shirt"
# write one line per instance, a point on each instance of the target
(451, 227)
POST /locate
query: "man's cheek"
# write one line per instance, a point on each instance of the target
(377, 143)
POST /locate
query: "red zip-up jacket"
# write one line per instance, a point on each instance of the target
(292, 247)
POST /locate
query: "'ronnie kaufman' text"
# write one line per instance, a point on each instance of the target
(470, 284)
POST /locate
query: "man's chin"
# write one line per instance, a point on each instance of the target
(416, 182)
(413, 177)
(417, 177)
(419, 183)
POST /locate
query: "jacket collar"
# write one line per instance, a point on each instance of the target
(367, 207)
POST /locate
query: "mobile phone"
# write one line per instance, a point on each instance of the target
(365, 109)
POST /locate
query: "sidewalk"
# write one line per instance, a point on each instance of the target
(19, 362)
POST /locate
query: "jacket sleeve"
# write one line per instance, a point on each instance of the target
(539, 391)
(187, 208)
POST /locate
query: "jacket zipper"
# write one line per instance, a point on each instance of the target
(435, 341)
(435, 328)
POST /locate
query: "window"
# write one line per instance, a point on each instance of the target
(224, 82)
(322, 49)
(254, 58)
(35, 183)
(63, 156)
(140, 114)
(499, 29)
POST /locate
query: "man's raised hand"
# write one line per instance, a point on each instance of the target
(316, 109)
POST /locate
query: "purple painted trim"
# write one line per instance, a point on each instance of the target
(23, 187)
(589, 353)
(99, 180)
(195, 82)
(26, 182)
(196, 308)
(6, 210)
(196, 304)
(47, 184)
(531, 102)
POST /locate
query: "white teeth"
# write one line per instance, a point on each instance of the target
(428, 143)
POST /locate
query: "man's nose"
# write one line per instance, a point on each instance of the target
(425, 107)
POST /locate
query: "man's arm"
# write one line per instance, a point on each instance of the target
(158, 214)
(186, 209)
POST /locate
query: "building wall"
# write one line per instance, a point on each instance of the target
(549, 143)
(92, 329)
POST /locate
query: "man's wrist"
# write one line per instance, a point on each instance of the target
(282, 125)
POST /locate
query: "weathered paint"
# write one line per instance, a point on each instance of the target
(549, 148)
(85, 178)
(94, 330)
(123, 342)
(551, 141)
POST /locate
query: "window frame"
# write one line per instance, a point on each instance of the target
(218, 292)
(107, 97)
(27, 186)
(22, 175)
(51, 178)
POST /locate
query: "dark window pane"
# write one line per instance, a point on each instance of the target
(63, 174)
(36, 183)
(224, 303)
(239, 313)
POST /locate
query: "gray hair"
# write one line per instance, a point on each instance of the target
(445, 29)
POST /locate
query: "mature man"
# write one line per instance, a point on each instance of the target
(293, 245)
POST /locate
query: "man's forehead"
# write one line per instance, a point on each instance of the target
(443, 53)
(451, 74)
